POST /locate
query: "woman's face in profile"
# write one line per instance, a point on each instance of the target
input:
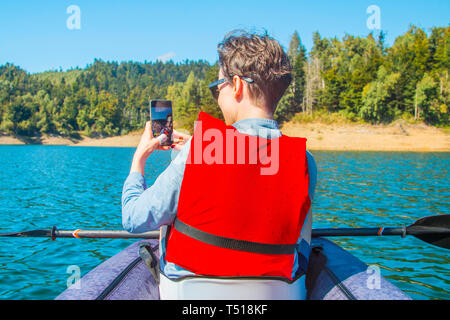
(169, 122)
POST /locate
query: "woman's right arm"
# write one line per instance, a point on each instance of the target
(145, 209)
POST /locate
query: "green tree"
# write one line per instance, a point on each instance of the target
(408, 57)
(293, 100)
(207, 102)
(375, 97)
(427, 101)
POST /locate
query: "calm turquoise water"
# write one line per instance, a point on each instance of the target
(76, 187)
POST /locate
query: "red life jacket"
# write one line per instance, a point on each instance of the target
(232, 198)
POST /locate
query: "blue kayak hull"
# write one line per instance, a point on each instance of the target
(333, 274)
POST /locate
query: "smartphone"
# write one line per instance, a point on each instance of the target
(161, 117)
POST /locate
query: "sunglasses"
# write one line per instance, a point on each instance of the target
(214, 86)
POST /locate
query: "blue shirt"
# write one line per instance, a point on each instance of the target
(145, 209)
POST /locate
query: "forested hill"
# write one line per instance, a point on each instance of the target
(357, 77)
(105, 98)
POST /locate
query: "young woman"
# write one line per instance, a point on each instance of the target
(238, 196)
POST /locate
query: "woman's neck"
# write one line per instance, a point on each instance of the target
(253, 112)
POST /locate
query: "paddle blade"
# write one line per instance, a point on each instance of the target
(433, 229)
(25, 234)
(438, 240)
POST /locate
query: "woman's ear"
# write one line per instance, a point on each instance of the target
(238, 88)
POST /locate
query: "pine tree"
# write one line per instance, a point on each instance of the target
(292, 101)
(294, 46)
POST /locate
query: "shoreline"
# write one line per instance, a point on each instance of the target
(320, 137)
(366, 137)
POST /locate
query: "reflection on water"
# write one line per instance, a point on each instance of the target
(76, 187)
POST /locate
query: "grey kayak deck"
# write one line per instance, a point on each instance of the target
(333, 274)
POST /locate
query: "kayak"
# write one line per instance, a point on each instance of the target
(333, 274)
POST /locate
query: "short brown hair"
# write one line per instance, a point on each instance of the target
(260, 58)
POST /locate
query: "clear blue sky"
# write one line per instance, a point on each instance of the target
(34, 35)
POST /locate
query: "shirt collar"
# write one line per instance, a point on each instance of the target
(256, 123)
(264, 128)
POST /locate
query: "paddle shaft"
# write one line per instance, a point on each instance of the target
(80, 233)
(121, 234)
(395, 231)
(107, 234)
(432, 229)
(348, 232)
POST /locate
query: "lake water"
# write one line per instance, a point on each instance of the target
(80, 187)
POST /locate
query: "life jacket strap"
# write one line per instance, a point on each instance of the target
(234, 244)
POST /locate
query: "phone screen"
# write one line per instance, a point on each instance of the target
(162, 119)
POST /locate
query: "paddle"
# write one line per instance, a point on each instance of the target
(79, 233)
(433, 229)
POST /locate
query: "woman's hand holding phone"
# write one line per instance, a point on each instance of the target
(180, 140)
(146, 146)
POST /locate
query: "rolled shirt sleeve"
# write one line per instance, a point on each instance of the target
(145, 209)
